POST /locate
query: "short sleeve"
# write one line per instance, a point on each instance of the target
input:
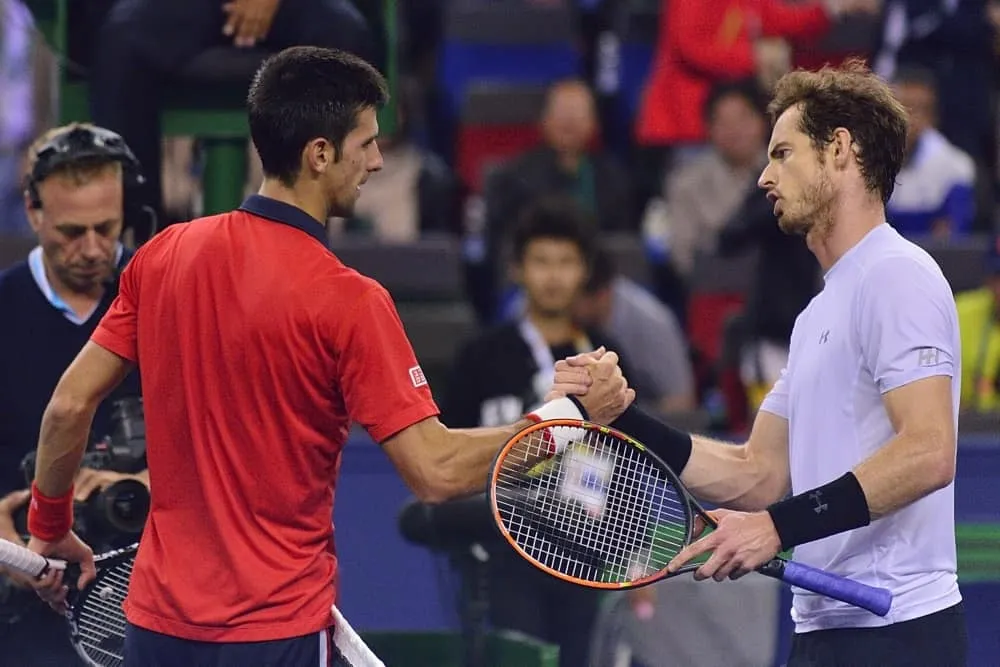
(907, 324)
(776, 401)
(117, 331)
(384, 388)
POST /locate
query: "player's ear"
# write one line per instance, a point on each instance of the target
(842, 148)
(318, 155)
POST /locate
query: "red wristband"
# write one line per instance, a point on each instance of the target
(49, 519)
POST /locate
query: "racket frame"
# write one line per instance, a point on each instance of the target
(876, 600)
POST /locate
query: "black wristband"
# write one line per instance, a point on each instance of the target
(826, 510)
(671, 445)
(579, 406)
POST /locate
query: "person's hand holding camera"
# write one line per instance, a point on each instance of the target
(90, 481)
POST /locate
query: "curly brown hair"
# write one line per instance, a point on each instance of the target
(854, 98)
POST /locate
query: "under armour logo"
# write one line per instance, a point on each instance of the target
(817, 497)
(825, 336)
(928, 356)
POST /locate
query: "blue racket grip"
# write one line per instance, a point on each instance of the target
(876, 600)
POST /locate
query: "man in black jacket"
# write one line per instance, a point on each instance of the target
(51, 303)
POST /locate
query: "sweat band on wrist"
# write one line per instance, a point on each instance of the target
(826, 510)
(559, 437)
(50, 518)
(670, 444)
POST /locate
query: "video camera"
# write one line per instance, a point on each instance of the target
(112, 518)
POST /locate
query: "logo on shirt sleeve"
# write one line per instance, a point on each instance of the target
(417, 377)
(928, 357)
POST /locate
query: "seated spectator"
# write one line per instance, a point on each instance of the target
(704, 194)
(785, 279)
(979, 324)
(702, 43)
(565, 163)
(142, 43)
(935, 190)
(415, 193)
(506, 371)
(648, 332)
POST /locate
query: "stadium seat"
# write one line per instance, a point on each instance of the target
(491, 42)
(427, 270)
(718, 289)
(962, 260)
(498, 121)
(208, 102)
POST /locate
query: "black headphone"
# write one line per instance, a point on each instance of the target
(82, 143)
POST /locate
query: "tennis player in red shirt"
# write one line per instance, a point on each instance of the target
(258, 348)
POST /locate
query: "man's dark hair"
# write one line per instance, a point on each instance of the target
(602, 271)
(306, 92)
(555, 217)
(747, 89)
(851, 97)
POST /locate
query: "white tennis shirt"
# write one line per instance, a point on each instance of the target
(886, 317)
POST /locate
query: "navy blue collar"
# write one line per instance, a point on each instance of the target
(279, 211)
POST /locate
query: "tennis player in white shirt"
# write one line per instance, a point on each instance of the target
(861, 427)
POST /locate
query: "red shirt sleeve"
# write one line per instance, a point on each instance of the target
(779, 18)
(116, 332)
(384, 388)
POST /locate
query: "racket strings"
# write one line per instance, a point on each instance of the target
(602, 511)
(100, 618)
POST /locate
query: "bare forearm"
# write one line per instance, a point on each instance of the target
(906, 469)
(727, 475)
(471, 453)
(61, 445)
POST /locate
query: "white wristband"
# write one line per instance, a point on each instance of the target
(560, 408)
(558, 437)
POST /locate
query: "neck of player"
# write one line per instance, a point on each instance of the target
(303, 195)
(555, 329)
(854, 215)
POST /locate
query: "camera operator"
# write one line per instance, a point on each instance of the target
(75, 196)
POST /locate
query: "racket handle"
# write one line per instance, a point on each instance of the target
(17, 557)
(876, 600)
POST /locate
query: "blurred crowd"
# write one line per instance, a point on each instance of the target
(646, 151)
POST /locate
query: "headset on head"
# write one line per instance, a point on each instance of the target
(84, 143)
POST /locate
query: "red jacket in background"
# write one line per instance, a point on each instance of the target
(702, 42)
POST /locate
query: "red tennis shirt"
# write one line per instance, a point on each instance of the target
(257, 349)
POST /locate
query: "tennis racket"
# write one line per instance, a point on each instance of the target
(97, 621)
(95, 616)
(605, 512)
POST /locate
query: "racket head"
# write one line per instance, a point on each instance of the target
(604, 513)
(95, 614)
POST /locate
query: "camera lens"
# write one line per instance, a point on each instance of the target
(125, 506)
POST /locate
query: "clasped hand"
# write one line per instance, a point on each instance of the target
(596, 379)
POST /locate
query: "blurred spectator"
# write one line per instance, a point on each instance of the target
(144, 42)
(785, 279)
(951, 39)
(935, 190)
(703, 195)
(649, 334)
(565, 163)
(415, 193)
(710, 41)
(979, 323)
(505, 372)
